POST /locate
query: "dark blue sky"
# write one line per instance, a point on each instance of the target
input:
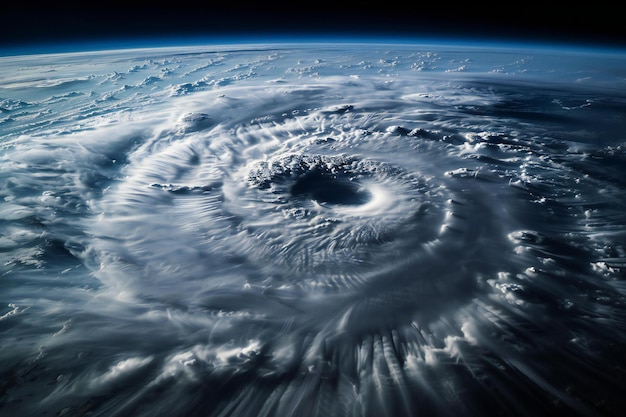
(36, 26)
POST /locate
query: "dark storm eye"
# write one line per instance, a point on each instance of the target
(324, 187)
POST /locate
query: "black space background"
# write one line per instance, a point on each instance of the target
(34, 24)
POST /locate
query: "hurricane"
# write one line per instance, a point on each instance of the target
(313, 230)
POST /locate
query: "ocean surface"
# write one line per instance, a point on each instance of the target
(313, 230)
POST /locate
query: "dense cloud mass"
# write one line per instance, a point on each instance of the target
(320, 230)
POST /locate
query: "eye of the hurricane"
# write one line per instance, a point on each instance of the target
(326, 188)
